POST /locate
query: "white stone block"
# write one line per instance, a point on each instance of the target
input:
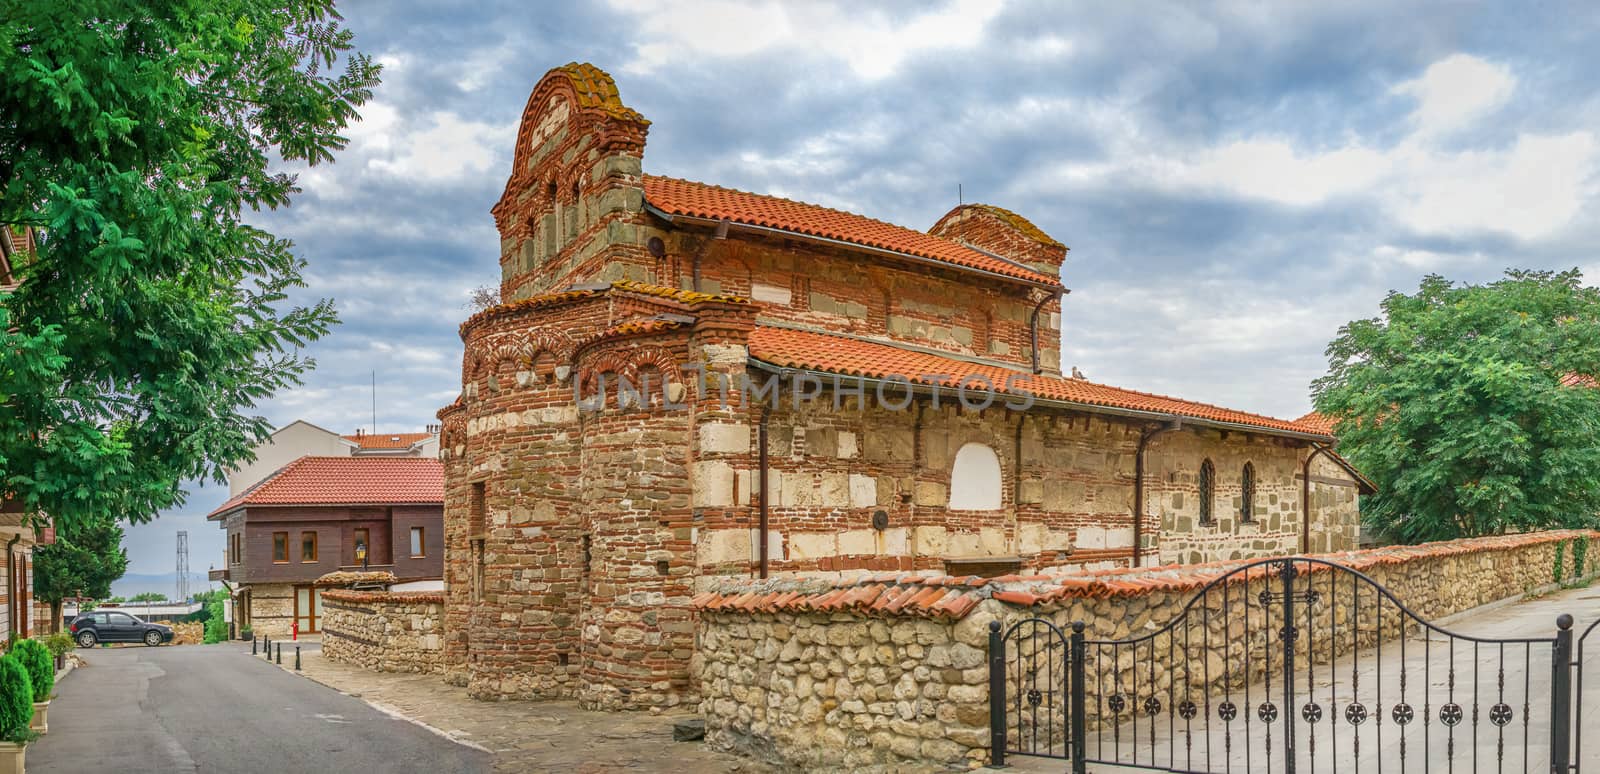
(712, 483)
(724, 545)
(863, 491)
(771, 294)
(858, 541)
(834, 490)
(724, 438)
(848, 446)
(813, 545)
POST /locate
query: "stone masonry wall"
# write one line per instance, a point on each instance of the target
(384, 631)
(272, 609)
(889, 673)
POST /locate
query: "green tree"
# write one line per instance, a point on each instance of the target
(216, 629)
(1461, 403)
(85, 560)
(152, 318)
(149, 596)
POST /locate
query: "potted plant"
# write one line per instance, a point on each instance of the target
(16, 711)
(60, 644)
(35, 658)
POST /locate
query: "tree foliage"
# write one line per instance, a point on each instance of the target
(1465, 405)
(85, 560)
(153, 317)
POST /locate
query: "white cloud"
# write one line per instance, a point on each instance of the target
(1531, 190)
(444, 147)
(1456, 91)
(873, 44)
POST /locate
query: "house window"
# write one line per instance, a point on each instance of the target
(975, 479)
(233, 548)
(280, 547)
(417, 551)
(1208, 487)
(1247, 493)
(308, 546)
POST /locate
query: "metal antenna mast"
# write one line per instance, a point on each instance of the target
(183, 565)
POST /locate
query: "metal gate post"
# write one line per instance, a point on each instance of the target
(1077, 702)
(997, 696)
(1288, 635)
(1561, 697)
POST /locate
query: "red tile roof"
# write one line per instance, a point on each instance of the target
(953, 598)
(700, 200)
(1317, 422)
(387, 440)
(842, 355)
(1579, 380)
(346, 481)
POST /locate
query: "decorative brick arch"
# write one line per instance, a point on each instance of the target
(609, 362)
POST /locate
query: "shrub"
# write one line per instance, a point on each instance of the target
(16, 701)
(59, 643)
(36, 658)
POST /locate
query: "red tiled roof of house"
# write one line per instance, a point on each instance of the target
(1317, 422)
(1579, 380)
(853, 357)
(701, 200)
(314, 480)
(387, 440)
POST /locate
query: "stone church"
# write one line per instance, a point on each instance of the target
(686, 382)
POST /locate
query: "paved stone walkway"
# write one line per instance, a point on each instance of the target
(531, 736)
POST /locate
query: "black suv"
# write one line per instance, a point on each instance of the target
(117, 626)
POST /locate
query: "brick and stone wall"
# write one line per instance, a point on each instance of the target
(385, 631)
(890, 673)
(272, 609)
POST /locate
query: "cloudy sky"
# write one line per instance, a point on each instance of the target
(1235, 181)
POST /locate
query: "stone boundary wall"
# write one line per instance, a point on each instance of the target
(889, 672)
(400, 631)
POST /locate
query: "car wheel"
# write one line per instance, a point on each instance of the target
(152, 638)
(86, 639)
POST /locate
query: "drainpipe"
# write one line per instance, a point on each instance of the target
(1138, 485)
(1305, 497)
(722, 233)
(1033, 324)
(13, 603)
(761, 466)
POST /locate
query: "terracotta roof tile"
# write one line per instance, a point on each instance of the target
(313, 480)
(1579, 380)
(1317, 422)
(387, 440)
(853, 357)
(700, 200)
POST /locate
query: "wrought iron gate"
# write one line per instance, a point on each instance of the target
(1294, 665)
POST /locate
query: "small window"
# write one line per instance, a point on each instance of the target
(1247, 493)
(417, 546)
(308, 546)
(1208, 477)
(280, 547)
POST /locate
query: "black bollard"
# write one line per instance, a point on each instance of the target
(252, 645)
(280, 654)
(297, 658)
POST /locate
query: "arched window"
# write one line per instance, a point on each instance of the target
(1247, 493)
(975, 479)
(1208, 491)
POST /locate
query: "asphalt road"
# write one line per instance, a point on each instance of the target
(214, 708)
